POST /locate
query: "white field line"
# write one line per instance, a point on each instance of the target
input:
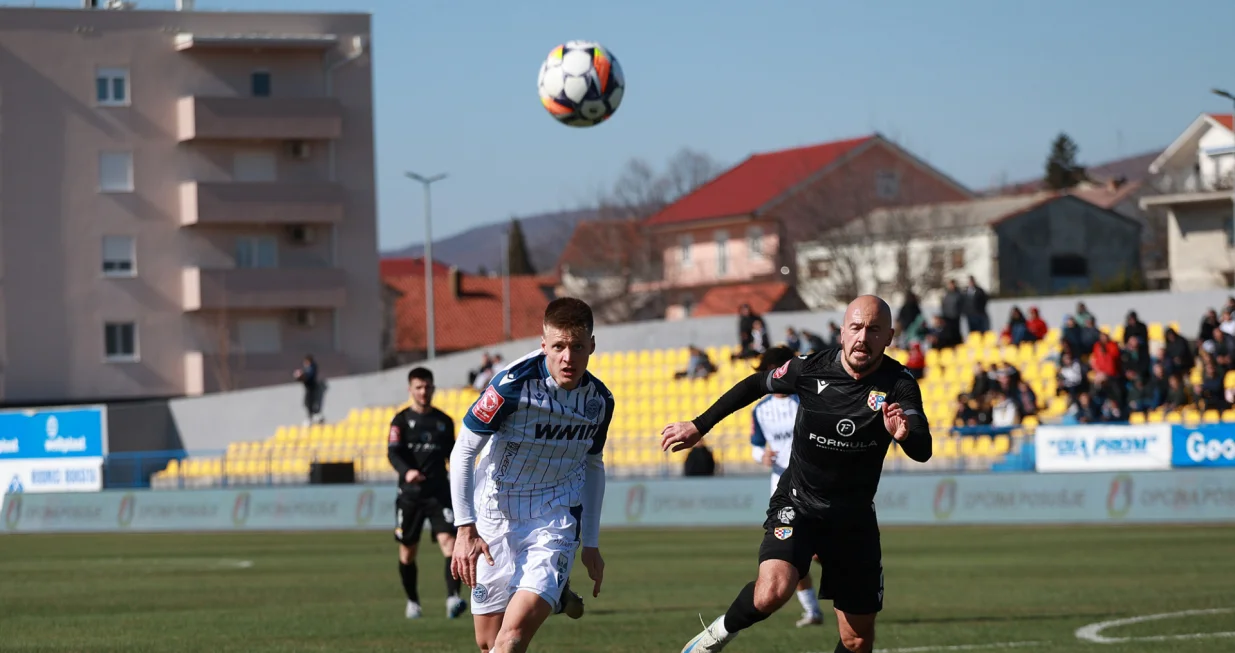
(1093, 632)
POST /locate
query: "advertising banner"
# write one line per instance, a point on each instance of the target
(60, 433)
(1212, 445)
(1195, 496)
(1103, 448)
(52, 475)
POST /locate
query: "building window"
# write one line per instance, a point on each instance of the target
(685, 243)
(119, 256)
(111, 87)
(120, 341)
(818, 269)
(956, 258)
(935, 262)
(259, 336)
(257, 252)
(116, 172)
(887, 184)
(259, 83)
(688, 305)
(754, 242)
(722, 253)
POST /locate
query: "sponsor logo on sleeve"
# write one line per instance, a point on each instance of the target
(394, 434)
(780, 371)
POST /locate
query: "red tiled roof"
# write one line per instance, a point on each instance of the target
(474, 317)
(406, 266)
(725, 300)
(753, 183)
(602, 244)
(1223, 119)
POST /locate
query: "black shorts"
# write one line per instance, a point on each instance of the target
(847, 543)
(410, 516)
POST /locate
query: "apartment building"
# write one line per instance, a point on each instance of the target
(187, 200)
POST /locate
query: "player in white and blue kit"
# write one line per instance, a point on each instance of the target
(771, 444)
(535, 494)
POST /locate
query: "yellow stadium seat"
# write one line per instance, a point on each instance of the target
(1191, 416)
(1156, 332)
(1001, 445)
(1030, 421)
(1136, 418)
(1212, 417)
(1156, 416)
(1173, 417)
(1228, 415)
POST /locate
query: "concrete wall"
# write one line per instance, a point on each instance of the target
(210, 422)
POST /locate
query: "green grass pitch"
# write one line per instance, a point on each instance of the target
(339, 592)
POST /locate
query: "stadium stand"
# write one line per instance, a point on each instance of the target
(651, 391)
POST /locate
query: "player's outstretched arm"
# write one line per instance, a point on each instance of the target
(684, 435)
(468, 545)
(593, 501)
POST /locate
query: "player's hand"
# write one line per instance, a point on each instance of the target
(768, 457)
(413, 476)
(894, 421)
(468, 549)
(679, 436)
(595, 567)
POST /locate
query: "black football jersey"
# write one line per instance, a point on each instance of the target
(423, 442)
(839, 439)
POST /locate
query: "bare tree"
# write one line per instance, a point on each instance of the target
(611, 261)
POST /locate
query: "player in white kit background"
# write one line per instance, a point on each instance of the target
(536, 492)
(771, 444)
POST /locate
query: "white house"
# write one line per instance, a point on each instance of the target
(1041, 243)
(1198, 179)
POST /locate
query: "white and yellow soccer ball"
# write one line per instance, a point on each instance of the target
(581, 83)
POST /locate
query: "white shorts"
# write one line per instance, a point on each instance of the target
(534, 555)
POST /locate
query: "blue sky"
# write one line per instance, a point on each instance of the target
(978, 88)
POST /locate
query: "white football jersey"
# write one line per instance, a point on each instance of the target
(540, 437)
(774, 419)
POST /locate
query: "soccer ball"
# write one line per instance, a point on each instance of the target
(581, 83)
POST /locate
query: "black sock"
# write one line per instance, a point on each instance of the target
(408, 574)
(742, 614)
(452, 583)
(840, 647)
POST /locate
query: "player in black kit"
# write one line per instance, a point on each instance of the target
(854, 403)
(419, 446)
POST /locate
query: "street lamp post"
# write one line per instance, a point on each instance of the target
(430, 344)
(1221, 93)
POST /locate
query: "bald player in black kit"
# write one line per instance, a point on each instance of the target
(854, 403)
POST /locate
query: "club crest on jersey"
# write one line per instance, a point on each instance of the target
(786, 515)
(487, 406)
(783, 532)
(780, 371)
(592, 408)
(876, 399)
(394, 434)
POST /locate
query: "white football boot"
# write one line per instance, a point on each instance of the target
(455, 606)
(810, 619)
(712, 639)
(413, 610)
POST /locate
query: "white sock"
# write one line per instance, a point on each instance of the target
(809, 601)
(718, 628)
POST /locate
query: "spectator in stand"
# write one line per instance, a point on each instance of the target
(1177, 395)
(811, 342)
(941, 336)
(1178, 357)
(1137, 392)
(1026, 399)
(1037, 326)
(1070, 379)
(1105, 357)
(1227, 324)
(699, 462)
(833, 334)
(976, 317)
(916, 363)
(1070, 337)
(1219, 343)
(1090, 334)
(1156, 388)
(314, 389)
(909, 316)
(950, 310)
(1210, 394)
(1208, 324)
(792, 340)
(485, 364)
(1083, 410)
(757, 344)
(1135, 328)
(746, 325)
(1007, 376)
(972, 411)
(1017, 330)
(1135, 358)
(1083, 315)
(981, 381)
(698, 365)
(1004, 412)
(1112, 411)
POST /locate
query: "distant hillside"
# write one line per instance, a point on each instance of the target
(546, 235)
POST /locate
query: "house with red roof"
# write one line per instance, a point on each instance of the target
(402, 266)
(734, 237)
(468, 312)
(1197, 179)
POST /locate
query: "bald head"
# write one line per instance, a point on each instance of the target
(866, 333)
